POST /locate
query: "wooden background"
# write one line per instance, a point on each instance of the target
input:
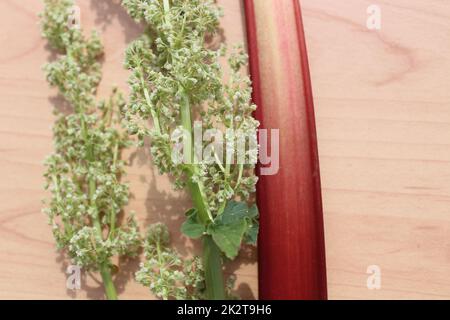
(383, 114)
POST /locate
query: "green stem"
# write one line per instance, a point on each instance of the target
(197, 189)
(112, 213)
(105, 271)
(198, 199)
(186, 122)
(241, 171)
(110, 289)
(166, 4)
(152, 110)
(212, 263)
(212, 260)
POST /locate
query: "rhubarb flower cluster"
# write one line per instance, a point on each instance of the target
(84, 173)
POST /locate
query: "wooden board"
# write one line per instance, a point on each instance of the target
(382, 104)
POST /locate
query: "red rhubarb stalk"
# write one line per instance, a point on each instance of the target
(291, 241)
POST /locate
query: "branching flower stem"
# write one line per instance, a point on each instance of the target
(212, 260)
(176, 81)
(84, 172)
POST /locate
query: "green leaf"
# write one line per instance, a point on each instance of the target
(251, 236)
(238, 222)
(239, 211)
(191, 227)
(228, 237)
(253, 212)
(234, 211)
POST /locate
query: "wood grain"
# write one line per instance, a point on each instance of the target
(30, 267)
(382, 105)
